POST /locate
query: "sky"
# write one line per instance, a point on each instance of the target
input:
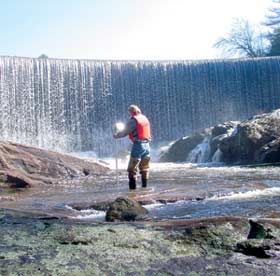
(121, 29)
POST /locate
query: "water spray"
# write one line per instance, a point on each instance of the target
(119, 126)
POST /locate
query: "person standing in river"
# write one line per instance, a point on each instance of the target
(139, 131)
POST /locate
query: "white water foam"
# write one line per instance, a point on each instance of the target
(158, 167)
(96, 215)
(86, 213)
(157, 204)
(201, 153)
(247, 195)
(109, 162)
(153, 205)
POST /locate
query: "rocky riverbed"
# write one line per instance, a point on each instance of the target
(194, 219)
(213, 246)
(56, 230)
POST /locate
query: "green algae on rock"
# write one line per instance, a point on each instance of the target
(34, 246)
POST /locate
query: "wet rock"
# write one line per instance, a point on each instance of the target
(220, 132)
(263, 239)
(221, 129)
(259, 231)
(182, 247)
(125, 209)
(252, 141)
(180, 149)
(24, 166)
(269, 153)
(215, 142)
(259, 248)
(16, 180)
(244, 145)
(217, 266)
(99, 206)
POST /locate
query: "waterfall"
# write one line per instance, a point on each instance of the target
(71, 105)
(217, 157)
(201, 153)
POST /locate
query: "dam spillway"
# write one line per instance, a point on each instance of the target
(71, 105)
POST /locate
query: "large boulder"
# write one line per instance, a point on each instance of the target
(180, 149)
(256, 140)
(220, 132)
(25, 166)
(125, 209)
(224, 128)
(269, 153)
(192, 148)
(247, 144)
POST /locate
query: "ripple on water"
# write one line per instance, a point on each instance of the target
(86, 214)
(222, 186)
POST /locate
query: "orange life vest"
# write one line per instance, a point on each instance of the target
(143, 128)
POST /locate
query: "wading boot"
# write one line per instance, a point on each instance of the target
(132, 183)
(144, 182)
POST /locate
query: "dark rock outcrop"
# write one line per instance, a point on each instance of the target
(269, 153)
(259, 231)
(253, 139)
(180, 149)
(125, 209)
(25, 166)
(220, 132)
(221, 129)
(257, 248)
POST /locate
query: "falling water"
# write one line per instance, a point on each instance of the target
(201, 153)
(71, 105)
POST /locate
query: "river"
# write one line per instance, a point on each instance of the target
(175, 191)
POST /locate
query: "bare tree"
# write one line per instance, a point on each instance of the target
(243, 40)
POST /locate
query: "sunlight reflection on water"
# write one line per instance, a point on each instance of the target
(175, 191)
